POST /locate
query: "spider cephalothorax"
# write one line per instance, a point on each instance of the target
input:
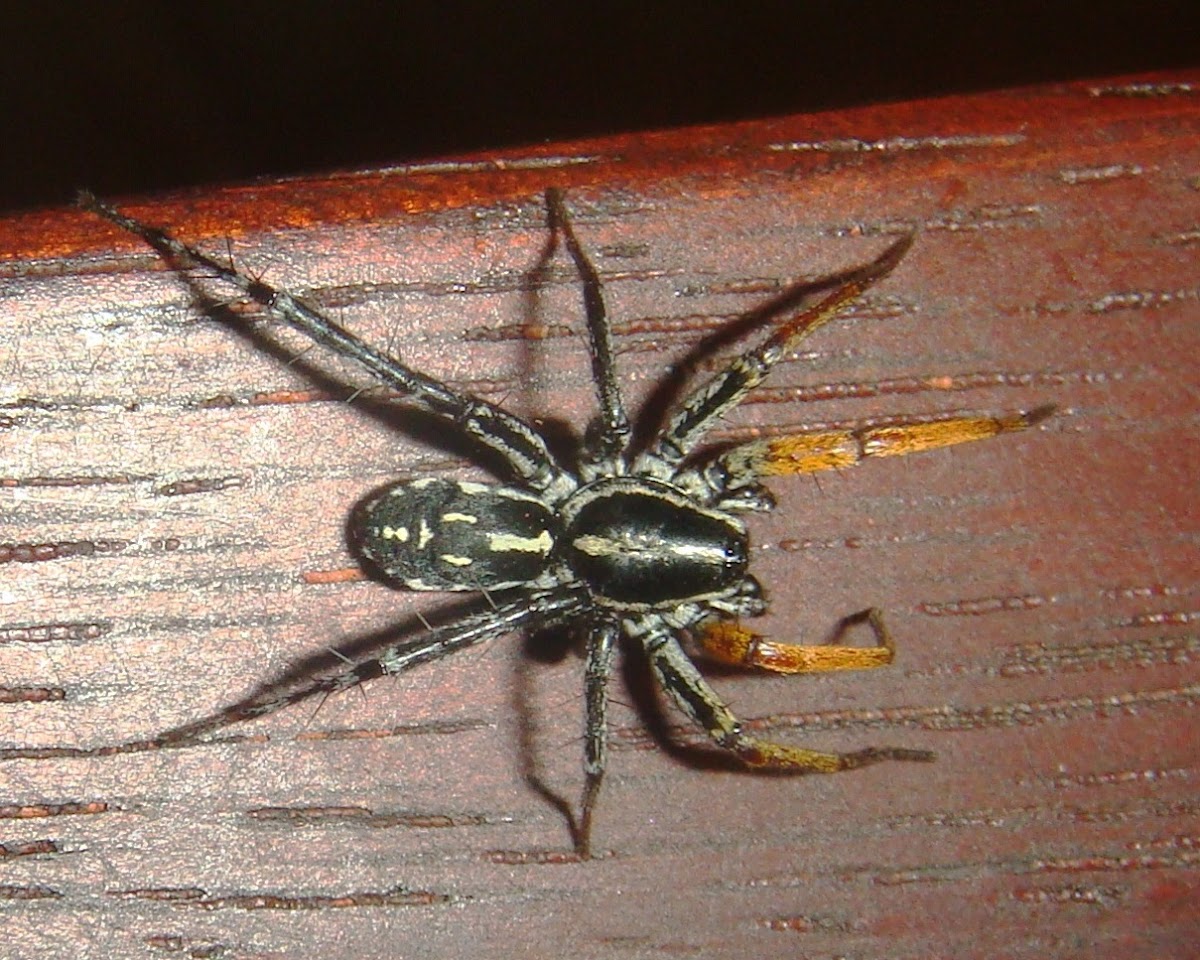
(646, 542)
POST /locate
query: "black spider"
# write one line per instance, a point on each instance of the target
(648, 542)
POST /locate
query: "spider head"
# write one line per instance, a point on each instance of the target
(641, 544)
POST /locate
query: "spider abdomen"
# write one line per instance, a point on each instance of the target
(642, 544)
(437, 534)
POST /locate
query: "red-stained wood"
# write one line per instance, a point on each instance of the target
(173, 504)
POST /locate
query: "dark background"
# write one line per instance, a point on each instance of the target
(133, 98)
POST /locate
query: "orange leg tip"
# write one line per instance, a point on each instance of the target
(729, 643)
(764, 753)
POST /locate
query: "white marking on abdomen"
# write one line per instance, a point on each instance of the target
(511, 543)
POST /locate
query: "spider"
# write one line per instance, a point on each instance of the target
(643, 540)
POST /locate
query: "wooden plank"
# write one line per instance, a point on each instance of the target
(174, 501)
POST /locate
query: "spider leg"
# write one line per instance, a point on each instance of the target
(704, 407)
(512, 438)
(614, 425)
(733, 644)
(542, 609)
(835, 449)
(679, 677)
(601, 646)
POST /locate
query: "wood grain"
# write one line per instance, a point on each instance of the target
(174, 497)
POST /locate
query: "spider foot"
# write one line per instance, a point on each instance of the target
(775, 756)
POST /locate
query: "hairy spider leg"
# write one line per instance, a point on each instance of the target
(614, 423)
(837, 449)
(608, 458)
(522, 448)
(546, 608)
(680, 678)
(601, 649)
(833, 450)
(705, 406)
